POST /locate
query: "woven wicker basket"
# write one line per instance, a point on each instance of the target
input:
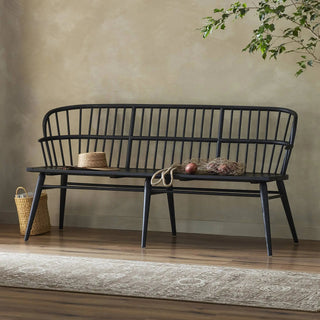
(41, 223)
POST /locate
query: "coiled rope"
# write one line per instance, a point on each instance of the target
(163, 173)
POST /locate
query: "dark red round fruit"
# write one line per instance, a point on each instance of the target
(191, 168)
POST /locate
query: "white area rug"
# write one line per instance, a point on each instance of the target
(247, 287)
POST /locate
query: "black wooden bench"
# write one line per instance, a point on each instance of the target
(140, 139)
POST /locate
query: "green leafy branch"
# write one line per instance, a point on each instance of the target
(284, 26)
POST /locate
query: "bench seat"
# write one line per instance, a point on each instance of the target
(148, 173)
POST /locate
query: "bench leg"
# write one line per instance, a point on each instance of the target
(63, 192)
(146, 208)
(34, 205)
(266, 218)
(286, 206)
(171, 211)
(171, 206)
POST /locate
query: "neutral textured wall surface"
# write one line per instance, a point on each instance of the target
(62, 52)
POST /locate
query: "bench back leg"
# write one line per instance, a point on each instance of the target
(146, 209)
(266, 218)
(34, 205)
(286, 206)
(171, 211)
(63, 192)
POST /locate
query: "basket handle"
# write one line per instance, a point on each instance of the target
(23, 190)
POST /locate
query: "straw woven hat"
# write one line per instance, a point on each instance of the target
(93, 161)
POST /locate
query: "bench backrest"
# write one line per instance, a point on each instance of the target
(155, 136)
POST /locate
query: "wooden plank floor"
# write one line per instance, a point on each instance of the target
(244, 252)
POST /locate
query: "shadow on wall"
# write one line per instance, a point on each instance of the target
(16, 115)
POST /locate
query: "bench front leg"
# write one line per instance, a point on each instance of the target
(146, 208)
(266, 219)
(171, 205)
(34, 205)
(286, 206)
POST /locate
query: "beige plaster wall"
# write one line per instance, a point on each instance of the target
(62, 52)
